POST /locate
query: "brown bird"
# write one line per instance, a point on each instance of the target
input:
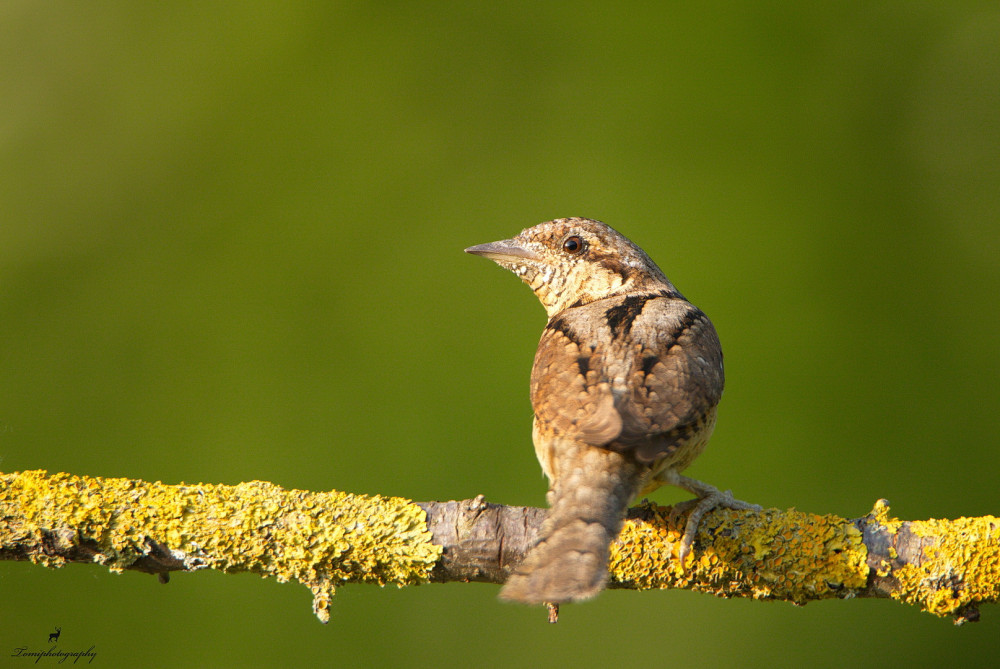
(624, 388)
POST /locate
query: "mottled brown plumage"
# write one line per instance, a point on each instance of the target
(624, 388)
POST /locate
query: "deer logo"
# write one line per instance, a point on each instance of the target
(54, 637)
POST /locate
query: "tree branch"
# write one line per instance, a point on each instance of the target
(324, 539)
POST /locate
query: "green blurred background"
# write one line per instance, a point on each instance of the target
(231, 249)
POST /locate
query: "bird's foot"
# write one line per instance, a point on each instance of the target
(708, 498)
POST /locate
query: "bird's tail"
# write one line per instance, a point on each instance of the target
(593, 488)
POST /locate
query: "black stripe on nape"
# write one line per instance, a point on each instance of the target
(583, 362)
(621, 316)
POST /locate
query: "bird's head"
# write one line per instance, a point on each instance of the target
(570, 262)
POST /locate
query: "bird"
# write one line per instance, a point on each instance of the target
(624, 388)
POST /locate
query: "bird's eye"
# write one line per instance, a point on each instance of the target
(572, 245)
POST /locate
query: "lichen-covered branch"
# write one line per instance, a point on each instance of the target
(324, 539)
(320, 539)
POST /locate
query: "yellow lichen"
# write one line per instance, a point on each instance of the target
(319, 539)
(959, 566)
(880, 515)
(786, 555)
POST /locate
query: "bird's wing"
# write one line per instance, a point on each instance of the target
(675, 378)
(569, 388)
(668, 369)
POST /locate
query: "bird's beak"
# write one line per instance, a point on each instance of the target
(507, 249)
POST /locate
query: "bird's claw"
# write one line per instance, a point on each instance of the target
(698, 507)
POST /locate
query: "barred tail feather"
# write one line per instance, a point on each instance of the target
(569, 562)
